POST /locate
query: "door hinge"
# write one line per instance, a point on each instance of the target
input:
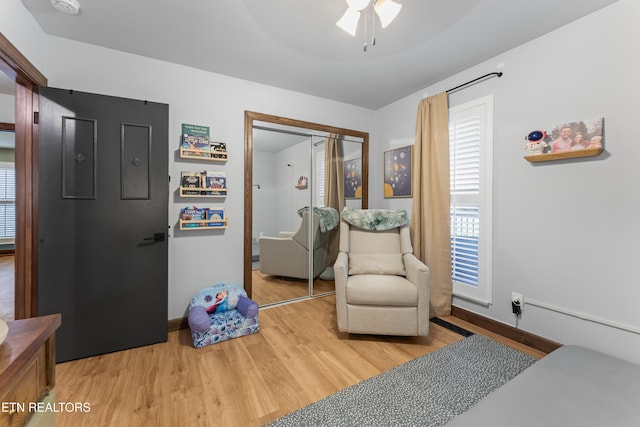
(36, 117)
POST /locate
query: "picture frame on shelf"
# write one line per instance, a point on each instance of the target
(584, 138)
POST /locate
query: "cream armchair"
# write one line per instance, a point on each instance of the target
(381, 287)
(288, 254)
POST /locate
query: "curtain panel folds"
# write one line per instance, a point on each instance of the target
(430, 214)
(334, 187)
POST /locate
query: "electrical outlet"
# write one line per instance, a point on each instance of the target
(517, 303)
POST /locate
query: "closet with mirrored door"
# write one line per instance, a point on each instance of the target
(298, 177)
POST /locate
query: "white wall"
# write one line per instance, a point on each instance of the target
(264, 175)
(292, 163)
(565, 232)
(7, 108)
(196, 259)
(21, 29)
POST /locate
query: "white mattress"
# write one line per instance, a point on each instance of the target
(572, 386)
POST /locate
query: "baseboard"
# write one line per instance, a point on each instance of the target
(526, 338)
(177, 324)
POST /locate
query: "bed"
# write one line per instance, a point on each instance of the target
(572, 386)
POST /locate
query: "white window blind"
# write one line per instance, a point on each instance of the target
(470, 130)
(7, 201)
(319, 174)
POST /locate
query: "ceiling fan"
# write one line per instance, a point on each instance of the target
(387, 10)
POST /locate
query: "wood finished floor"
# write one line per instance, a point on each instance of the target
(268, 289)
(298, 357)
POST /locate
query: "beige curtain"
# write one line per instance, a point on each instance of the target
(334, 187)
(430, 225)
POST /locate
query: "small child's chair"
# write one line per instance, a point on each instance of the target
(221, 312)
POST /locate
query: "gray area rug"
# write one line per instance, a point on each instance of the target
(427, 391)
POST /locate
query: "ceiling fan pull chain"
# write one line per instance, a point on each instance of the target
(365, 30)
(373, 24)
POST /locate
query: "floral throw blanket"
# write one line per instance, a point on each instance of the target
(375, 219)
(329, 217)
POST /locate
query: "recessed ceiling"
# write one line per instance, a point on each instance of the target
(296, 45)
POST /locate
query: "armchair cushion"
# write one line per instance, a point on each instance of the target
(376, 264)
(385, 291)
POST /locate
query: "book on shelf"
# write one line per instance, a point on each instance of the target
(216, 214)
(217, 146)
(201, 217)
(195, 138)
(218, 150)
(191, 180)
(215, 183)
(192, 213)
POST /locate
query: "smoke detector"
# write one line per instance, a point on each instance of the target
(70, 7)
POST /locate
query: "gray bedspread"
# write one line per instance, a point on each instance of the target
(572, 386)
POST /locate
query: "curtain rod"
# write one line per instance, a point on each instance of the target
(498, 74)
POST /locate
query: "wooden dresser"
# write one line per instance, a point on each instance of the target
(27, 367)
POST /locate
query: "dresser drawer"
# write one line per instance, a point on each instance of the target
(26, 389)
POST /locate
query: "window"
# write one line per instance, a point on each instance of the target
(7, 201)
(471, 154)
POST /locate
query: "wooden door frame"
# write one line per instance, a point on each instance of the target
(27, 78)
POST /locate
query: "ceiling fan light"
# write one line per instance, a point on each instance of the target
(349, 21)
(358, 4)
(387, 10)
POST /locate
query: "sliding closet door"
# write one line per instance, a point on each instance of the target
(281, 190)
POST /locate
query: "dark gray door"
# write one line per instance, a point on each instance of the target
(102, 211)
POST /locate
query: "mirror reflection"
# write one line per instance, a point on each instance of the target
(301, 178)
(7, 221)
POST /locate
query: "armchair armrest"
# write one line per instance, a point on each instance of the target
(198, 319)
(417, 271)
(341, 270)
(419, 274)
(341, 273)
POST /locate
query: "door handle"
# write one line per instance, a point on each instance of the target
(157, 237)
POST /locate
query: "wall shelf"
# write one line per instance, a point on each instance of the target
(202, 192)
(209, 155)
(587, 152)
(190, 224)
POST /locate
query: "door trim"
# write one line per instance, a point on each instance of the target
(27, 78)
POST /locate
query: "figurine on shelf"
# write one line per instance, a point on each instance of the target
(537, 142)
(302, 182)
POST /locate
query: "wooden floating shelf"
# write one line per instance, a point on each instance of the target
(186, 153)
(586, 152)
(203, 192)
(188, 224)
(301, 187)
